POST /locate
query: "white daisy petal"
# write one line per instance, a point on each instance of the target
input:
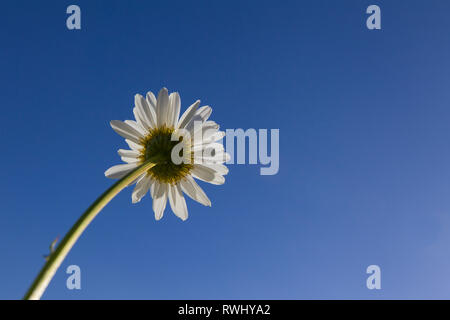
(142, 186)
(125, 130)
(129, 156)
(159, 195)
(134, 145)
(120, 170)
(201, 115)
(210, 136)
(151, 99)
(145, 111)
(209, 128)
(170, 110)
(128, 153)
(174, 109)
(141, 112)
(219, 157)
(162, 106)
(188, 114)
(140, 118)
(193, 190)
(130, 159)
(177, 202)
(136, 126)
(210, 149)
(216, 136)
(218, 167)
(206, 174)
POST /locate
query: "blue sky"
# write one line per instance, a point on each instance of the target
(364, 147)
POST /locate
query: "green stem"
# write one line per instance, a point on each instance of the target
(56, 258)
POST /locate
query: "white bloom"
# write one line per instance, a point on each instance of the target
(152, 135)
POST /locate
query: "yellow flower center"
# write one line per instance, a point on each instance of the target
(158, 143)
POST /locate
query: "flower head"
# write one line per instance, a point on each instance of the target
(184, 147)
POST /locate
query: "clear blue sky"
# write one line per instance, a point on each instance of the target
(364, 147)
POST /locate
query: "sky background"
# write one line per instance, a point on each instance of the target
(364, 147)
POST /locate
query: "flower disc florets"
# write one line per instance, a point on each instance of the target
(159, 143)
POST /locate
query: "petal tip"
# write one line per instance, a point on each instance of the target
(108, 173)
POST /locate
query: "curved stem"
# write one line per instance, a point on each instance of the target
(56, 258)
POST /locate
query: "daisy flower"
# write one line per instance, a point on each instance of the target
(186, 148)
(166, 153)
